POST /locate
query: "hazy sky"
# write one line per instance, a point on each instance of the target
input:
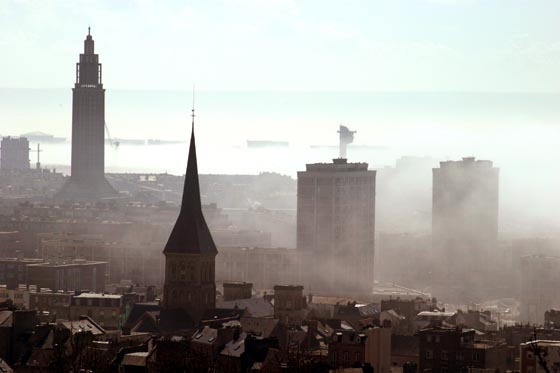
(379, 45)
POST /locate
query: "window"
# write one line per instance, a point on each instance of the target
(444, 355)
(346, 357)
(437, 339)
(357, 357)
(429, 354)
(429, 338)
(182, 275)
(459, 356)
(334, 357)
(476, 356)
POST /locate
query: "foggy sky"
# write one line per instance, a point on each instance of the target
(382, 45)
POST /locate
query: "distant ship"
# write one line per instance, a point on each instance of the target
(117, 142)
(43, 137)
(351, 146)
(267, 144)
(163, 142)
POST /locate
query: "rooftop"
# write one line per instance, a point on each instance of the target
(98, 295)
(338, 165)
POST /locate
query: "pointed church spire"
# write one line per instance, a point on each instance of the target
(191, 190)
(190, 233)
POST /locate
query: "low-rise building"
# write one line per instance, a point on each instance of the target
(55, 303)
(76, 275)
(536, 353)
(237, 290)
(454, 350)
(108, 310)
(13, 271)
(260, 266)
(349, 348)
(19, 297)
(290, 306)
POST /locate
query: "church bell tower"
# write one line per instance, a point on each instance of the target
(190, 252)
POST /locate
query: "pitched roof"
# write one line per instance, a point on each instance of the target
(259, 326)
(138, 310)
(191, 235)
(256, 307)
(235, 347)
(174, 321)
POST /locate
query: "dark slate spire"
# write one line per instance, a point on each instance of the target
(191, 235)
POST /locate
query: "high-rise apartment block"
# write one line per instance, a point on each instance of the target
(465, 225)
(336, 226)
(14, 154)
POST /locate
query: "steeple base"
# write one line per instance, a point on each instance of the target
(86, 191)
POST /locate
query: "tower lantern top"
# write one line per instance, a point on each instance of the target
(88, 43)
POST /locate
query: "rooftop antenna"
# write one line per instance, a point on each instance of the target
(89, 31)
(39, 156)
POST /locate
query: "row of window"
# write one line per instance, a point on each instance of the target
(444, 355)
(345, 357)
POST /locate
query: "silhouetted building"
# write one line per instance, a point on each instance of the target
(14, 154)
(190, 253)
(237, 290)
(350, 348)
(87, 180)
(465, 226)
(290, 305)
(336, 226)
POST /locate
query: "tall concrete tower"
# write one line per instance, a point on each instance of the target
(87, 181)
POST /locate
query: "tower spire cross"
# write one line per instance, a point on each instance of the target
(192, 109)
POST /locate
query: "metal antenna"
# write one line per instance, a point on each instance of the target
(192, 110)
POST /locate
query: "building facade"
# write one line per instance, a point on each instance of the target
(108, 310)
(14, 154)
(260, 266)
(457, 350)
(336, 226)
(76, 275)
(539, 287)
(464, 227)
(350, 348)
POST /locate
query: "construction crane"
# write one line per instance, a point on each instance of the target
(114, 144)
